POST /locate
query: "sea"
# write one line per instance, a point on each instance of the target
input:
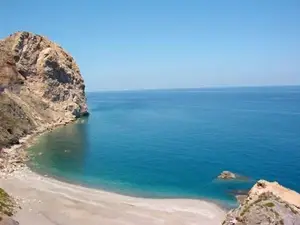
(174, 143)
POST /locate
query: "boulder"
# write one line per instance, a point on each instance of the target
(227, 175)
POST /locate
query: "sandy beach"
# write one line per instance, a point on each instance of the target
(46, 201)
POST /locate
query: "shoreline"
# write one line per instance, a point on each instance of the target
(48, 201)
(42, 198)
(221, 204)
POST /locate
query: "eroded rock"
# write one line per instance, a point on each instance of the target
(7, 204)
(40, 85)
(227, 175)
(267, 203)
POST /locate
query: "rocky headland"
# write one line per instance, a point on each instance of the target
(40, 88)
(267, 203)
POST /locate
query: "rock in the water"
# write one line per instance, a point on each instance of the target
(267, 203)
(227, 175)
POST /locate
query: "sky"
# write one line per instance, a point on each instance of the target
(146, 44)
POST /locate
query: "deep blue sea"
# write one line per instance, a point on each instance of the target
(174, 143)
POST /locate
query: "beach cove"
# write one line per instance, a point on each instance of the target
(50, 202)
(143, 156)
(174, 143)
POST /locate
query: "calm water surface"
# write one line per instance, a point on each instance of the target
(173, 143)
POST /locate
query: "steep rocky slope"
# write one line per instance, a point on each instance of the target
(7, 208)
(40, 86)
(268, 204)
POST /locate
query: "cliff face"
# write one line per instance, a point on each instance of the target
(40, 86)
(267, 203)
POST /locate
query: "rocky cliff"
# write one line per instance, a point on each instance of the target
(7, 209)
(267, 203)
(40, 86)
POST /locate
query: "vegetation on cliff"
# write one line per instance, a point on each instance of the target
(7, 204)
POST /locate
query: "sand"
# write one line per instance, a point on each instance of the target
(46, 201)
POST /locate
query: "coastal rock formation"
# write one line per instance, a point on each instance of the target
(227, 175)
(40, 86)
(267, 203)
(7, 208)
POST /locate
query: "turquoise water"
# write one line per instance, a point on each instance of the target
(173, 143)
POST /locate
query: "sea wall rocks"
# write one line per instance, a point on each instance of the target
(40, 85)
(267, 203)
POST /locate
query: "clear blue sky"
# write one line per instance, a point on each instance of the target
(138, 44)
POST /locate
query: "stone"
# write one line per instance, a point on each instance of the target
(227, 175)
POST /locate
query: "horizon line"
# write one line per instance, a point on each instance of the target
(192, 88)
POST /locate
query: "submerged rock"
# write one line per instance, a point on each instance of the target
(227, 175)
(267, 203)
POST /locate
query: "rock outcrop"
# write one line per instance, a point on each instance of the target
(7, 208)
(227, 175)
(267, 203)
(40, 86)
